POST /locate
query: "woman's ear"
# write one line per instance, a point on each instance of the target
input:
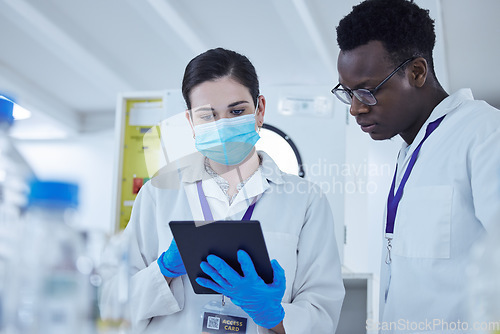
(418, 71)
(189, 119)
(261, 110)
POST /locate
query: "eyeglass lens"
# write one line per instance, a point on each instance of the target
(343, 96)
(363, 95)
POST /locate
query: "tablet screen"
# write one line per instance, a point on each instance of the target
(224, 238)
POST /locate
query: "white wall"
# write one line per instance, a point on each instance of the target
(320, 140)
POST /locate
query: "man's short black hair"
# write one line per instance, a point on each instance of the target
(405, 29)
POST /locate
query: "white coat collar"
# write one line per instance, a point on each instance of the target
(195, 170)
(449, 104)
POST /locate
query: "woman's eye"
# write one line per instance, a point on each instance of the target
(207, 117)
(237, 111)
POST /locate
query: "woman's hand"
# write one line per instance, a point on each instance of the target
(170, 262)
(261, 301)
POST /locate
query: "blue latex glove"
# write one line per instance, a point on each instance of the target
(261, 301)
(170, 262)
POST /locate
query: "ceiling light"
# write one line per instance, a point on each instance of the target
(20, 112)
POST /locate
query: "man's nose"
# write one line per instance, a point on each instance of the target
(357, 107)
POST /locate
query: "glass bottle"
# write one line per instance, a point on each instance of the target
(50, 292)
(14, 178)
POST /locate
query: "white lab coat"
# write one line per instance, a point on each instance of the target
(298, 228)
(451, 199)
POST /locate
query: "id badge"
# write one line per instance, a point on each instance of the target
(219, 317)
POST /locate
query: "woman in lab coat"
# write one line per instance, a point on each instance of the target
(225, 111)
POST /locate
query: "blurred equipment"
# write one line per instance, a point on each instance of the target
(49, 287)
(151, 133)
(14, 175)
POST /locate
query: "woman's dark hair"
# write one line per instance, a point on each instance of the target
(405, 29)
(217, 63)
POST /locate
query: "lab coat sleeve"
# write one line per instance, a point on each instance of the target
(318, 289)
(150, 295)
(485, 180)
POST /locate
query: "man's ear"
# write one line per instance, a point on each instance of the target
(418, 71)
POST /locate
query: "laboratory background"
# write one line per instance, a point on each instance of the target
(94, 77)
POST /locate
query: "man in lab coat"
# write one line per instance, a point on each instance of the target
(445, 196)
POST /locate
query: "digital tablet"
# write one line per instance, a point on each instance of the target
(197, 240)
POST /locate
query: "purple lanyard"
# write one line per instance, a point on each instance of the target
(207, 213)
(393, 200)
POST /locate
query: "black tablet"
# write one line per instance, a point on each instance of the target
(197, 240)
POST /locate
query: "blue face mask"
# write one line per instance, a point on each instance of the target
(227, 141)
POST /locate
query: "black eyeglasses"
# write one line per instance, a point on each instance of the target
(365, 96)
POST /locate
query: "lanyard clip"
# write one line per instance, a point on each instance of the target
(388, 258)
